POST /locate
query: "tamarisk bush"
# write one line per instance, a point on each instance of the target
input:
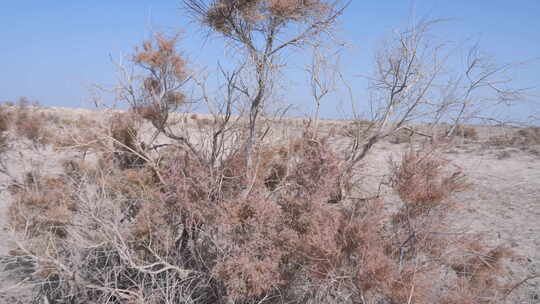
(225, 216)
(195, 235)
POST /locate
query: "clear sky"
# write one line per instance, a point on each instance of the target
(53, 50)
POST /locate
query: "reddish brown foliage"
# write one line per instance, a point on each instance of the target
(422, 182)
(282, 230)
(224, 15)
(160, 54)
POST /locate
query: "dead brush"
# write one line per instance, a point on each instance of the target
(41, 204)
(31, 125)
(83, 135)
(197, 235)
(523, 138)
(357, 128)
(468, 132)
(5, 124)
(481, 268)
(127, 147)
(236, 219)
(401, 136)
(530, 135)
(5, 119)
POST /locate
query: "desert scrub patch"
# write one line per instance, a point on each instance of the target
(29, 123)
(288, 233)
(5, 124)
(80, 171)
(355, 128)
(468, 132)
(401, 136)
(5, 119)
(130, 189)
(82, 140)
(124, 132)
(522, 138)
(41, 204)
(530, 135)
(204, 122)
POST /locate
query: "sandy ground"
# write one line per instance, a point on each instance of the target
(504, 202)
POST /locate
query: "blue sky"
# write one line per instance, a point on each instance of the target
(53, 50)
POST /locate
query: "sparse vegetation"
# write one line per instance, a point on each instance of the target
(525, 139)
(181, 208)
(196, 235)
(468, 132)
(30, 124)
(5, 122)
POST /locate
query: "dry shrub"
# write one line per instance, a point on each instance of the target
(79, 171)
(41, 204)
(5, 120)
(279, 232)
(5, 123)
(468, 132)
(426, 186)
(83, 140)
(32, 125)
(422, 183)
(80, 134)
(161, 54)
(401, 136)
(251, 264)
(149, 112)
(159, 93)
(356, 128)
(523, 138)
(124, 132)
(204, 122)
(502, 141)
(530, 135)
(128, 148)
(255, 232)
(478, 271)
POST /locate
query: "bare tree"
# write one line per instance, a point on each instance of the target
(413, 82)
(322, 74)
(262, 29)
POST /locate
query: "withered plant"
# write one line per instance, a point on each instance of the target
(29, 123)
(224, 215)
